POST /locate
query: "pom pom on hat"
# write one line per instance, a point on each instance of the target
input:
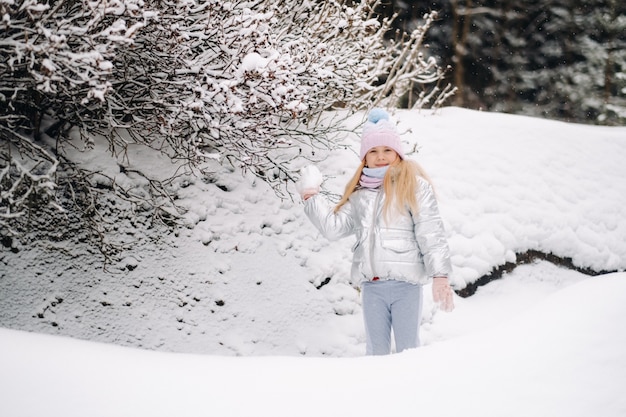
(377, 115)
(380, 131)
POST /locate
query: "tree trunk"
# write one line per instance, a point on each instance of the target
(460, 30)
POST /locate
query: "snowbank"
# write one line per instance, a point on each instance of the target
(564, 356)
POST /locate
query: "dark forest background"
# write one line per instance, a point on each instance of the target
(559, 59)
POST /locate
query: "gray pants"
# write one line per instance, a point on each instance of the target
(391, 305)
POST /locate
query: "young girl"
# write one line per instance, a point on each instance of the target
(390, 206)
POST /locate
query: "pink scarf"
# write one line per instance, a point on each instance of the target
(372, 177)
(370, 182)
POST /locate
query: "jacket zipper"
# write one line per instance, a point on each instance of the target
(372, 234)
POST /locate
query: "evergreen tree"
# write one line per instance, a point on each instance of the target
(561, 59)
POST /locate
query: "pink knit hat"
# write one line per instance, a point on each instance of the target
(380, 131)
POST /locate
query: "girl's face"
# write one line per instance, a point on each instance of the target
(380, 156)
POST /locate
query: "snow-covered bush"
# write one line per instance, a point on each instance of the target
(242, 82)
(56, 73)
(57, 59)
(246, 82)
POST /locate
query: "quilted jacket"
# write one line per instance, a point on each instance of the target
(412, 247)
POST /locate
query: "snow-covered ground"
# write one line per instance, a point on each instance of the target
(245, 278)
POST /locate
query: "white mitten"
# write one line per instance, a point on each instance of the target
(309, 182)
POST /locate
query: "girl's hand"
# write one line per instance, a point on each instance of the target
(442, 294)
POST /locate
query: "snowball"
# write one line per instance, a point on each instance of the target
(310, 180)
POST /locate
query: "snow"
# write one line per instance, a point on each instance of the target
(253, 62)
(554, 359)
(249, 276)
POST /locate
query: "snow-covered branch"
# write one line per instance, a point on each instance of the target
(27, 179)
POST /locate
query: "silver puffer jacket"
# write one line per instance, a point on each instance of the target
(413, 247)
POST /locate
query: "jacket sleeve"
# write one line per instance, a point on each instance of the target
(430, 233)
(331, 225)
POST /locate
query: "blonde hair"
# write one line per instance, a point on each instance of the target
(399, 184)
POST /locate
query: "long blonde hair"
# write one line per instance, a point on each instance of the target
(399, 185)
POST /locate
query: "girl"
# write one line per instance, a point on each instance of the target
(390, 206)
